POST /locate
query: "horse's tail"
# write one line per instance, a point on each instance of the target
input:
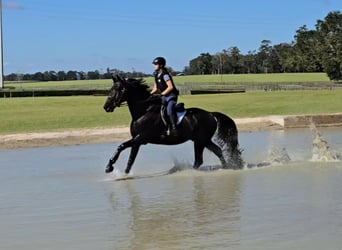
(227, 138)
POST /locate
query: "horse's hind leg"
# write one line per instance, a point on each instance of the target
(199, 148)
(218, 152)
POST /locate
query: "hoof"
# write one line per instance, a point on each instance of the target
(109, 169)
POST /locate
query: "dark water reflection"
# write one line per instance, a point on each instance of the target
(59, 198)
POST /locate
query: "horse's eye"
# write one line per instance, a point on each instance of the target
(117, 85)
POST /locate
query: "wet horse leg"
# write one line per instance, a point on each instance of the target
(132, 142)
(217, 151)
(199, 148)
(120, 148)
(131, 159)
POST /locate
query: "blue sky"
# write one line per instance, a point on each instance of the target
(40, 35)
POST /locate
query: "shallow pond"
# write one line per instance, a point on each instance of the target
(60, 198)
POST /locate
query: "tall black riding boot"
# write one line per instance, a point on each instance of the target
(173, 125)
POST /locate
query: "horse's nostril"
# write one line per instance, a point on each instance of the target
(107, 109)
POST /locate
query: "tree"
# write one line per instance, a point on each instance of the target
(50, 76)
(201, 65)
(285, 52)
(94, 75)
(249, 62)
(263, 56)
(38, 76)
(234, 56)
(187, 70)
(217, 63)
(53, 75)
(71, 75)
(307, 50)
(274, 61)
(225, 61)
(330, 40)
(11, 77)
(27, 77)
(61, 75)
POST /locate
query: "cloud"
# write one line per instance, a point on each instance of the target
(12, 5)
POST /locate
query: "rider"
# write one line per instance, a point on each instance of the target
(165, 86)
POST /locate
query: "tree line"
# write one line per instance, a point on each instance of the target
(318, 50)
(70, 75)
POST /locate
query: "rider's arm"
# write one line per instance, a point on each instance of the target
(154, 89)
(168, 89)
(169, 85)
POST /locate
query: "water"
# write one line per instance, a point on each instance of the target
(59, 198)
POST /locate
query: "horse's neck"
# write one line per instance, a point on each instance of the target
(137, 107)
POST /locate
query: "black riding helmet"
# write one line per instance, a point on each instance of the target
(159, 61)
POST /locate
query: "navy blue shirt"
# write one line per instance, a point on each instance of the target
(161, 79)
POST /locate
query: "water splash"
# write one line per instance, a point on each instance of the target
(276, 156)
(321, 151)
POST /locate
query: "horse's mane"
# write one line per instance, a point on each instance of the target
(138, 84)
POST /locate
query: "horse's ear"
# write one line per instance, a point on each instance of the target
(121, 79)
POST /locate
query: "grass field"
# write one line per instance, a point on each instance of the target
(290, 78)
(60, 113)
(255, 78)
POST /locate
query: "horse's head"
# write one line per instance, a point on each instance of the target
(116, 95)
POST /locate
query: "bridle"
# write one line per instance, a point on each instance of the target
(117, 102)
(121, 90)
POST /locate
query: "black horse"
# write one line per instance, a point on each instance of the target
(212, 130)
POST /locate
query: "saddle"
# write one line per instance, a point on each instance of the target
(179, 109)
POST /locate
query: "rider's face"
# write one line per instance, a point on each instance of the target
(156, 66)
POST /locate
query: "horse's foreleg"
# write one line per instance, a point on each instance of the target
(131, 159)
(123, 146)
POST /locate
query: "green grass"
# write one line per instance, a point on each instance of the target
(255, 78)
(103, 83)
(57, 113)
(61, 113)
(293, 78)
(253, 104)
